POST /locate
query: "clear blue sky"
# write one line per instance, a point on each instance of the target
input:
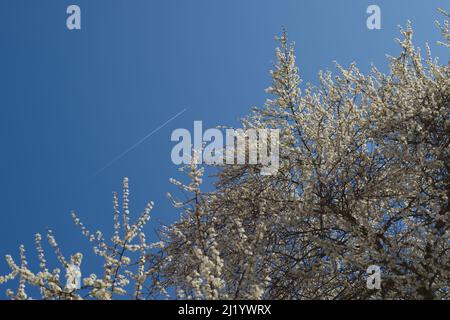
(71, 101)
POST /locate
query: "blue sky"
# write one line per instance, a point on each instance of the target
(71, 101)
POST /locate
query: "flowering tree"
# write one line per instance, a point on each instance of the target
(119, 270)
(363, 180)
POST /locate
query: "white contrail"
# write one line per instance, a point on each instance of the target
(140, 141)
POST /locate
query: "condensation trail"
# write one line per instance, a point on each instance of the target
(141, 141)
